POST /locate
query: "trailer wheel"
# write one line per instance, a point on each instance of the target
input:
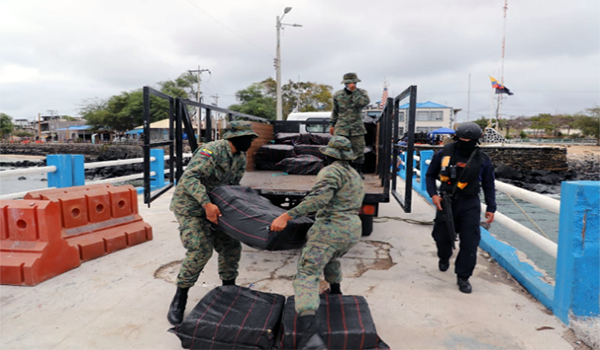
(367, 225)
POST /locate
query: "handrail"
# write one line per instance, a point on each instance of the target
(121, 178)
(540, 200)
(34, 170)
(114, 163)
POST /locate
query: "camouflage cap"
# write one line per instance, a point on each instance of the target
(339, 147)
(350, 78)
(239, 128)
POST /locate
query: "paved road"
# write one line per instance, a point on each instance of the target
(120, 301)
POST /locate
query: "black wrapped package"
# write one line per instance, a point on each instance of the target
(286, 138)
(304, 164)
(274, 153)
(344, 322)
(231, 317)
(320, 138)
(247, 217)
(313, 150)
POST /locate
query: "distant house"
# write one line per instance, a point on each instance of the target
(429, 116)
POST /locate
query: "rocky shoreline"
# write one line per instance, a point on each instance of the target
(580, 167)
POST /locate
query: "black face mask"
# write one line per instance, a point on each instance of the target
(242, 143)
(465, 148)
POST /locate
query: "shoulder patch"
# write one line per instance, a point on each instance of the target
(206, 152)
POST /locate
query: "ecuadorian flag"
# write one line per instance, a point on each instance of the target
(500, 89)
(206, 152)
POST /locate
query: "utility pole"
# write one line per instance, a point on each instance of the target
(40, 127)
(52, 124)
(216, 97)
(199, 96)
(279, 26)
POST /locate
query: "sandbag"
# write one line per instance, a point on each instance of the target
(274, 153)
(304, 164)
(247, 217)
(231, 317)
(344, 322)
(313, 150)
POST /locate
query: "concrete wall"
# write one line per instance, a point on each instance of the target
(91, 152)
(526, 158)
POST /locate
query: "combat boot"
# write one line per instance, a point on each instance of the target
(311, 340)
(229, 282)
(175, 315)
(335, 288)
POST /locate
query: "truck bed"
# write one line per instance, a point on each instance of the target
(274, 182)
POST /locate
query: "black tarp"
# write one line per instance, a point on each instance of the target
(304, 164)
(344, 322)
(232, 317)
(247, 217)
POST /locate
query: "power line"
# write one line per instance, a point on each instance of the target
(229, 29)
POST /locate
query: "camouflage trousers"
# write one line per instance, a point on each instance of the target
(316, 257)
(200, 240)
(358, 147)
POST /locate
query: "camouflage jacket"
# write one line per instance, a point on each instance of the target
(212, 165)
(346, 116)
(337, 195)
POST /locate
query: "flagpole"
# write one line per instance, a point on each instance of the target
(502, 66)
(469, 98)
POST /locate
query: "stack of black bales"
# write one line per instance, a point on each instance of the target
(304, 158)
(231, 317)
(247, 217)
(344, 322)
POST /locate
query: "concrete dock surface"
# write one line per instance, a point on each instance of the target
(120, 301)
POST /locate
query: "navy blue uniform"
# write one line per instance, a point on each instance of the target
(466, 209)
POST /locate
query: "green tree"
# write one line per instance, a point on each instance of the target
(126, 111)
(542, 123)
(6, 125)
(254, 100)
(589, 124)
(482, 122)
(563, 121)
(301, 96)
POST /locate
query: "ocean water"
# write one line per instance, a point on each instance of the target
(546, 220)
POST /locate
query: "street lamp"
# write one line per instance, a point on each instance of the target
(278, 61)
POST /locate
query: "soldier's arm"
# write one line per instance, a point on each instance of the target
(488, 185)
(321, 193)
(191, 180)
(334, 113)
(360, 98)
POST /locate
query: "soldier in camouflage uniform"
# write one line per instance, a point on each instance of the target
(346, 119)
(214, 164)
(336, 198)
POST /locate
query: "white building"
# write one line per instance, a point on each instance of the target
(429, 116)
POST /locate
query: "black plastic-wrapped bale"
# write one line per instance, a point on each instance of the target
(247, 217)
(320, 138)
(231, 317)
(304, 164)
(344, 322)
(286, 138)
(313, 150)
(274, 153)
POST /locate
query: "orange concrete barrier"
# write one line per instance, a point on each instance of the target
(98, 219)
(31, 247)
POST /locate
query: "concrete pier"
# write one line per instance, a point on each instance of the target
(120, 301)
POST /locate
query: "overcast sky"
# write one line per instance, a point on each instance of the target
(55, 54)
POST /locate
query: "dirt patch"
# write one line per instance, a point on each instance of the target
(168, 272)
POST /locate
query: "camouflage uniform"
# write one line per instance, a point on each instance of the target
(336, 198)
(346, 116)
(212, 165)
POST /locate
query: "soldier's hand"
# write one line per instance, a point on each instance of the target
(489, 216)
(331, 130)
(280, 222)
(437, 201)
(212, 213)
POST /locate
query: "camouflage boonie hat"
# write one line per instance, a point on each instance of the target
(350, 78)
(339, 147)
(239, 128)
